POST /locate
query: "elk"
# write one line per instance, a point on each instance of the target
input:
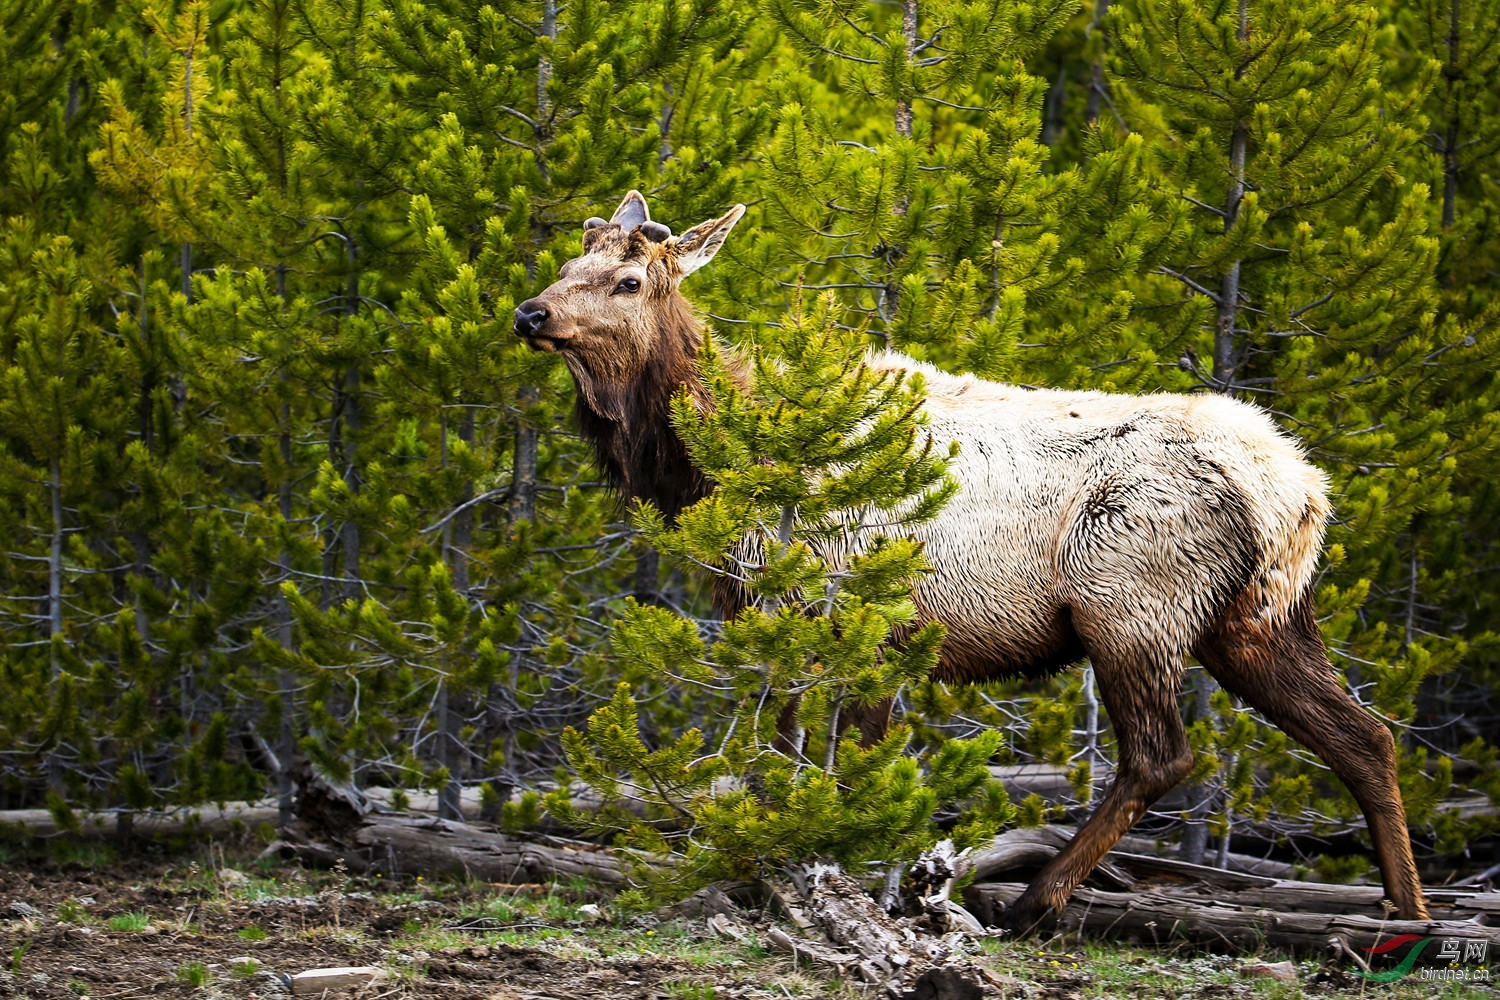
(1131, 530)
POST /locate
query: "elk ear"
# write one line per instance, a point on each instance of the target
(631, 213)
(698, 245)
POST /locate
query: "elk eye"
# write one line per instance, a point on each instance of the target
(628, 285)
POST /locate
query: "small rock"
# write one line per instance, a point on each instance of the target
(24, 910)
(479, 951)
(273, 984)
(314, 981)
(233, 877)
(590, 913)
(1284, 972)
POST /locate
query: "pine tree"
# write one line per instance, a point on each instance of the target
(815, 444)
(1307, 270)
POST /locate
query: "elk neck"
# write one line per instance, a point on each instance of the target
(628, 419)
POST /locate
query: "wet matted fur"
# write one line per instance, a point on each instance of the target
(1134, 530)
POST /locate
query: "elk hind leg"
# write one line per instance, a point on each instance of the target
(1140, 692)
(1284, 672)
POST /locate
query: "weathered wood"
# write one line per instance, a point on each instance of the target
(1157, 916)
(234, 819)
(1322, 897)
(838, 924)
(320, 982)
(1247, 864)
(415, 845)
(1033, 847)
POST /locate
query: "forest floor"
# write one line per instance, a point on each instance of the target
(83, 922)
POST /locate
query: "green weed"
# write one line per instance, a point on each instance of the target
(133, 922)
(194, 974)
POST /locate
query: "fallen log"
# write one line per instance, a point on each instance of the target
(394, 845)
(231, 819)
(1032, 847)
(1159, 916)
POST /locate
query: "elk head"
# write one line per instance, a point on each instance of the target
(615, 312)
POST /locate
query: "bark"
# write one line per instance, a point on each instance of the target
(448, 719)
(898, 958)
(1097, 82)
(1217, 918)
(523, 476)
(1229, 289)
(1052, 108)
(909, 39)
(1031, 848)
(286, 682)
(458, 534)
(186, 262)
(235, 819)
(54, 601)
(1201, 797)
(428, 845)
(1450, 135)
(648, 576)
(349, 532)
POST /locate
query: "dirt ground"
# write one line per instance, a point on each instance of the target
(90, 924)
(166, 931)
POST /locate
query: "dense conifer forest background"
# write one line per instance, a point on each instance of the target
(277, 483)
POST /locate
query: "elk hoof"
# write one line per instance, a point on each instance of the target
(1029, 915)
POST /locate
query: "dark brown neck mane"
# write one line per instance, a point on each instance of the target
(629, 420)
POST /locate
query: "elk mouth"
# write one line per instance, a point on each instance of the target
(544, 342)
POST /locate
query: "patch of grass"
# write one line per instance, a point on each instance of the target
(256, 890)
(194, 974)
(251, 934)
(133, 922)
(71, 911)
(436, 939)
(17, 954)
(494, 908)
(244, 969)
(558, 909)
(687, 990)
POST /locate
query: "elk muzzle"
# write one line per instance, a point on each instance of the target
(531, 316)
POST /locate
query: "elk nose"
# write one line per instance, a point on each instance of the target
(530, 315)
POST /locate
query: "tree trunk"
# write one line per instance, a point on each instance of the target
(1201, 797)
(523, 475)
(1097, 82)
(349, 532)
(459, 534)
(286, 682)
(54, 602)
(1450, 135)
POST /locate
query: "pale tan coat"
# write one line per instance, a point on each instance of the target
(1140, 516)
